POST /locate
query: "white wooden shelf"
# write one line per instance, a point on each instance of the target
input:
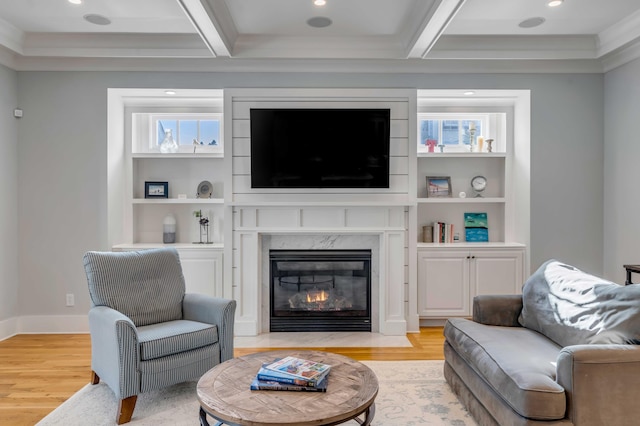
(178, 201)
(471, 200)
(462, 154)
(179, 246)
(465, 245)
(177, 155)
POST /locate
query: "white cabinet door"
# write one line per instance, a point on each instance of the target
(201, 266)
(202, 270)
(443, 283)
(496, 272)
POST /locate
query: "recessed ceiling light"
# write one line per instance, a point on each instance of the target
(97, 19)
(319, 2)
(75, 1)
(170, 92)
(554, 3)
(531, 22)
(469, 93)
(319, 22)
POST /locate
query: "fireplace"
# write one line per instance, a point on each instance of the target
(320, 290)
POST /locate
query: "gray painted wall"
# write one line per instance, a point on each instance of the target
(8, 194)
(622, 174)
(63, 182)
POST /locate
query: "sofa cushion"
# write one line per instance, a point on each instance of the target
(171, 337)
(572, 307)
(517, 363)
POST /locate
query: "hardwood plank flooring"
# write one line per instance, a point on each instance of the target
(38, 372)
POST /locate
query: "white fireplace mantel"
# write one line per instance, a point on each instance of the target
(258, 229)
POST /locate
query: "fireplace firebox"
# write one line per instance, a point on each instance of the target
(320, 290)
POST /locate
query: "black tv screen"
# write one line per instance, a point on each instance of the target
(320, 148)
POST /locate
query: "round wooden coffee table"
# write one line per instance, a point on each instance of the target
(224, 393)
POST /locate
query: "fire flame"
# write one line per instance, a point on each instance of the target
(317, 296)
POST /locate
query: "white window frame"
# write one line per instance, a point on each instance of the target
(153, 131)
(484, 118)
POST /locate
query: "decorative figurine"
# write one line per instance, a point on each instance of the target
(431, 144)
(489, 141)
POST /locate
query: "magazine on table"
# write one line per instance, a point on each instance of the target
(276, 376)
(258, 384)
(300, 368)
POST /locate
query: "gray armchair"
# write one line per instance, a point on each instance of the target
(146, 333)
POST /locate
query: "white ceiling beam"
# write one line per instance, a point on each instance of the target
(201, 15)
(434, 25)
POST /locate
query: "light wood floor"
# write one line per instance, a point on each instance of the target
(38, 372)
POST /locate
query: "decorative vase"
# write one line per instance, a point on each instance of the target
(168, 145)
(169, 229)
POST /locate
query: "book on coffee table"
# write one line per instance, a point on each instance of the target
(305, 370)
(258, 384)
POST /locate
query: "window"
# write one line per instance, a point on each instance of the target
(450, 130)
(190, 131)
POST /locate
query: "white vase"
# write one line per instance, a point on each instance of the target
(168, 145)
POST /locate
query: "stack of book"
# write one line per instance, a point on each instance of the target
(442, 232)
(292, 374)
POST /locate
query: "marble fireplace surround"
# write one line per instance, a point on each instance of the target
(379, 229)
(320, 242)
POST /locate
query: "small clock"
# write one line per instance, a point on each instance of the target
(205, 189)
(479, 184)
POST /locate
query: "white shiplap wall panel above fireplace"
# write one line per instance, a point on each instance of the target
(310, 218)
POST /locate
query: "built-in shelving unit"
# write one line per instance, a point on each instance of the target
(450, 275)
(136, 222)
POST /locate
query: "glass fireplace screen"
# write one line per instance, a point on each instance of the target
(320, 290)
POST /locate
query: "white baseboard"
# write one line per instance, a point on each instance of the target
(45, 324)
(8, 328)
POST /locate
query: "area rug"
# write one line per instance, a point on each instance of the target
(410, 393)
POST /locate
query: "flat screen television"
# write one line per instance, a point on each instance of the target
(320, 148)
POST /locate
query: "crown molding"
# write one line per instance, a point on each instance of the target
(93, 45)
(11, 37)
(515, 47)
(621, 57)
(375, 66)
(619, 35)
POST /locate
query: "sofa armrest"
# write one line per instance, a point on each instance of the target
(114, 350)
(502, 310)
(601, 382)
(216, 311)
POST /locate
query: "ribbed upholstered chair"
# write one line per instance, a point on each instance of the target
(146, 333)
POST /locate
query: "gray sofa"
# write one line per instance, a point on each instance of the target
(563, 353)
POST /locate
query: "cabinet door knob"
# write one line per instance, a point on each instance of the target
(473, 257)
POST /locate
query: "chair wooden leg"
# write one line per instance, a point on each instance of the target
(125, 409)
(95, 379)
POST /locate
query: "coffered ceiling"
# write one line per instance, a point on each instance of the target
(585, 35)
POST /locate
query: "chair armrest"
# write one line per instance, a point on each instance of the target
(213, 310)
(502, 310)
(601, 382)
(114, 350)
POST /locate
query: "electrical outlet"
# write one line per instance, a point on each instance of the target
(70, 299)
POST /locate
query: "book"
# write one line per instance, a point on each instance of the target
(306, 372)
(476, 227)
(258, 384)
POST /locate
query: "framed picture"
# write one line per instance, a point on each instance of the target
(438, 186)
(156, 190)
